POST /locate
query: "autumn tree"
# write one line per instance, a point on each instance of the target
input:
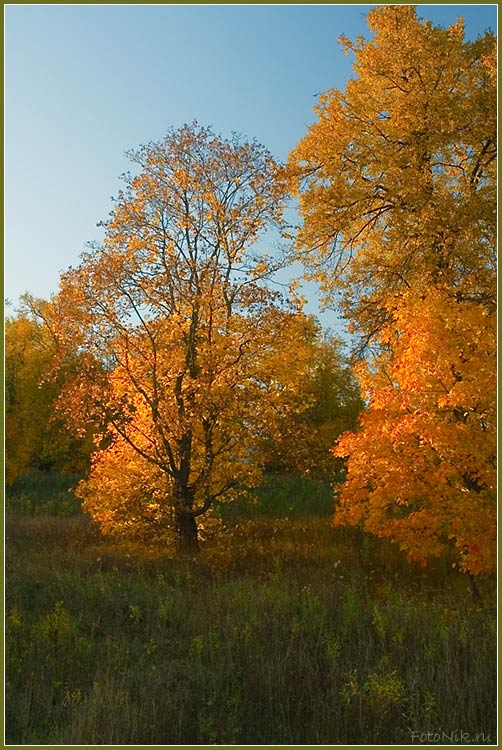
(35, 437)
(326, 404)
(185, 351)
(397, 189)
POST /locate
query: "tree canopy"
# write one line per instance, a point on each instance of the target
(397, 188)
(396, 179)
(185, 352)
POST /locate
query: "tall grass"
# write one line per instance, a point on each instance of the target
(281, 632)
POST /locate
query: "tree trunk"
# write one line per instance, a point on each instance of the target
(186, 529)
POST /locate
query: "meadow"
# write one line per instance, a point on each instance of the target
(283, 630)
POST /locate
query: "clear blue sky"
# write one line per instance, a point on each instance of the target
(85, 83)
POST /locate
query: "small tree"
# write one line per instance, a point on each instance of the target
(184, 350)
(326, 404)
(35, 437)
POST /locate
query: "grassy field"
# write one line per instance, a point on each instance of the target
(283, 630)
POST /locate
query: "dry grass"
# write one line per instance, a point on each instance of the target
(283, 631)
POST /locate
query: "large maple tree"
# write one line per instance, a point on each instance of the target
(185, 353)
(396, 183)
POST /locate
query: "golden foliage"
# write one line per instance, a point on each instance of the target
(35, 437)
(397, 188)
(186, 355)
(421, 470)
(396, 179)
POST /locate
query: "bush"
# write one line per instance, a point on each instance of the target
(44, 493)
(283, 495)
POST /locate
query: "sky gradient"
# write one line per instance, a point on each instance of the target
(85, 83)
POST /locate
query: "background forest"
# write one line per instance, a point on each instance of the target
(222, 526)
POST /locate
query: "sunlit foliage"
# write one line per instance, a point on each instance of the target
(397, 176)
(422, 469)
(186, 354)
(397, 189)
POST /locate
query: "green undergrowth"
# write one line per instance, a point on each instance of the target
(283, 496)
(43, 493)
